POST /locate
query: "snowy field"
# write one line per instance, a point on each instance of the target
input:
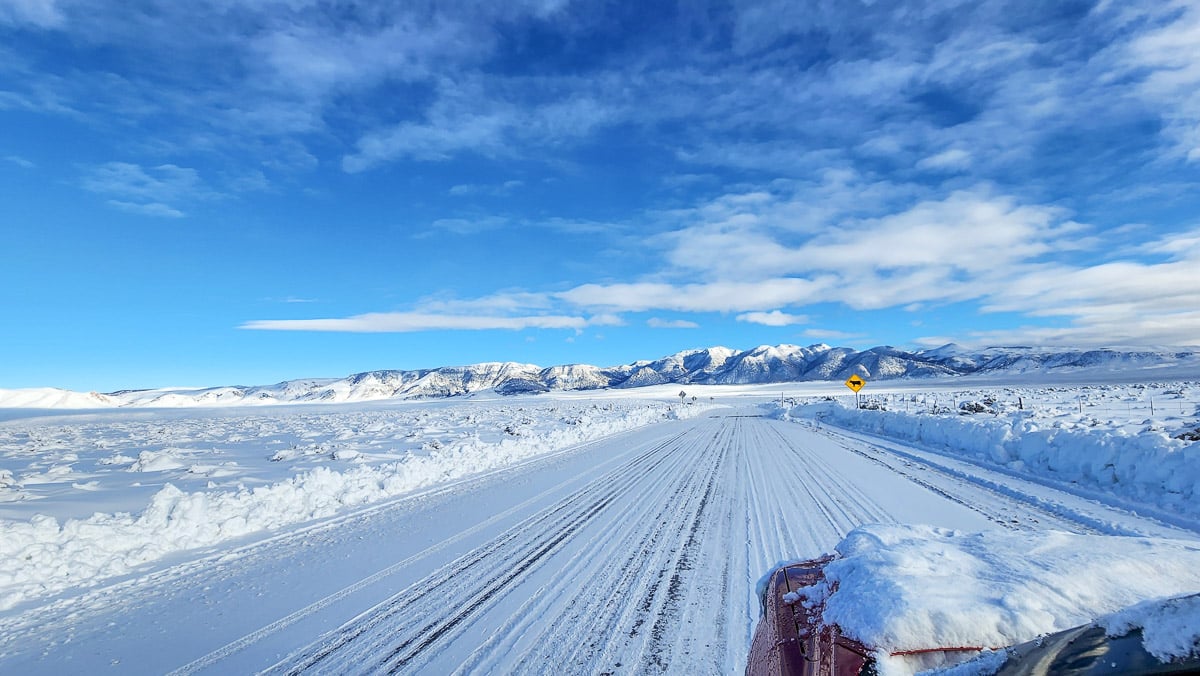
(89, 496)
(619, 487)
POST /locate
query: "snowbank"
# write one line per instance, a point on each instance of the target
(42, 556)
(905, 588)
(1146, 466)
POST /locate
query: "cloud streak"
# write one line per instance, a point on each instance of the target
(406, 322)
(772, 318)
(659, 323)
(146, 191)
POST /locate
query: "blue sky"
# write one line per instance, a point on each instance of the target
(218, 192)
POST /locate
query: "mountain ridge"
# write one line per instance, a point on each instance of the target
(704, 366)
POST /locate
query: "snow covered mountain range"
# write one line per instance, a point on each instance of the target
(710, 366)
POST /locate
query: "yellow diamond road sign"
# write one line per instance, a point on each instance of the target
(855, 383)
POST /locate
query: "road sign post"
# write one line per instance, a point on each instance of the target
(855, 382)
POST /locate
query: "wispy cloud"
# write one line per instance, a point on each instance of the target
(831, 334)
(146, 191)
(39, 13)
(954, 159)
(467, 118)
(476, 224)
(1169, 57)
(772, 318)
(659, 323)
(699, 297)
(915, 87)
(404, 322)
(1118, 302)
(468, 226)
(492, 190)
(20, 161)
(156, 209)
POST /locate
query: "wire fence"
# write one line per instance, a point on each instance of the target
(1167, 405)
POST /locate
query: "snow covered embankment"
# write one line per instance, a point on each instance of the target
(42, 557)
(1148, 468)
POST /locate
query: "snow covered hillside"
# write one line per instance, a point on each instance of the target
(711, 366)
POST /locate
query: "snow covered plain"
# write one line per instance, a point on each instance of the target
(87, 497)
(598, 531)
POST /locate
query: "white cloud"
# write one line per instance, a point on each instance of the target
(468, 226)
(705, 297)
(320, 58)
(156, 209)
(657, 323)
(970, 245)
(163, 182)
(146, 191)
(40, 13)
(404, 322)
(505, 303)
(772, 318)
(20, 161)
(954, 159)
(1179, 329)
(1112, 303)
(493, 190)
(830, 334)
(757, 251)
(1168, 60)
(467, 117)
(970, 231)
(439, 140)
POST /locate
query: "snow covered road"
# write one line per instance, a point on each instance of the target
(637, 553)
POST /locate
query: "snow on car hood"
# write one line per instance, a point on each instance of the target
(903, 588)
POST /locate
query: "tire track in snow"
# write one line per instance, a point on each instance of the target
(598, 638)
(1006, 508)
(393, 628)
(318, 606)
(647, 569)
